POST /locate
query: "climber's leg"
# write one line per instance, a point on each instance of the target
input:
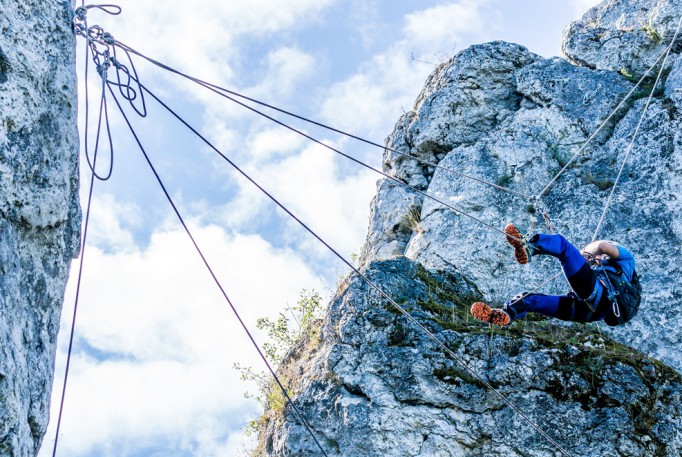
(579, 274)
(567, 307)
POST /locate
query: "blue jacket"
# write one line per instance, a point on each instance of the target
(626, 263)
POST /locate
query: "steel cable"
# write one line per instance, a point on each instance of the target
(213, 275)
(359, 273)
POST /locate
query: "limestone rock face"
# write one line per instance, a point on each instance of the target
(555, 107)
(623, 35)
(372, 383)
(39, 213)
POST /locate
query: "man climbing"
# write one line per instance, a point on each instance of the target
(603, 279)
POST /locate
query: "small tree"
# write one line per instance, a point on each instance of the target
(282, 336)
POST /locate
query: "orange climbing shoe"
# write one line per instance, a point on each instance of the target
(484, 313)
(518, 242)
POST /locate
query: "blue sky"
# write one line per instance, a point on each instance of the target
(152, 370)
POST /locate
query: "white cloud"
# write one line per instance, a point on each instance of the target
(371, 100)
(115, 223)
(314, 187)
(441, 27)
(271, 144)
(204, 37)
(286, 68)
(156, 341)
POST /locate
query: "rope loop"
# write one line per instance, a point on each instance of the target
(542, 208)
(103, 45)
(100, 44)
(111, 9)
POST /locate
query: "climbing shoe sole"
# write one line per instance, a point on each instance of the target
(485, 313)
(516, 240)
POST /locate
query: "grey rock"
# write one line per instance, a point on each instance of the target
(627, 35)
(371, 383)
(559, 106)
(461, 101)
(375, 385)
(673, 84)
(39, 213)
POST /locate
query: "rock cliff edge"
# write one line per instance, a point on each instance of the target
(371, 384)
(39, 213)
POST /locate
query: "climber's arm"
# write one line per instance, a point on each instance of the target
(601, 248)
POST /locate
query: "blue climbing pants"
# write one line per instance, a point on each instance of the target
(571, 306)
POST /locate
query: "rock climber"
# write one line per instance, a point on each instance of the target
(602, 276)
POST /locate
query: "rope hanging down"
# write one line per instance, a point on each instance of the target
(634, 135)
(96, 44)
(75, 306)
(104, 55)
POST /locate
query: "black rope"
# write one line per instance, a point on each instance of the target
(213, 275)
(93, 37)
(353, 159)
(224, 91)
(359, 273)
(75, 306)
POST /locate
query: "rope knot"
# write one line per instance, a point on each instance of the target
(103, 68)
(108, 38)
(81, 13)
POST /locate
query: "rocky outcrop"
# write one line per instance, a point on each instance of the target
(623, 35)
(370, 383)
(39, 213)
(555, 108)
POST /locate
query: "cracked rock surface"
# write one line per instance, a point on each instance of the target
(39, 213)
(370, 383)
(551, 108)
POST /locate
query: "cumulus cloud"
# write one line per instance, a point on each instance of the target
(156, 340)
(286, 68)
(370, 101)
(116, 223)
(444, 25)
(205, 36)
(319, 190)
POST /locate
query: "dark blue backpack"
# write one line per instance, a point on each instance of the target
(624, 295)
